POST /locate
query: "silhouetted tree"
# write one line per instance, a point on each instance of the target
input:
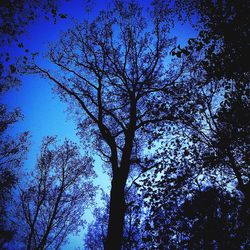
(223, 36)
(12, 153)
(134, 219)
(52, 204)
(112, 71)
(230, 139)
(210, 145)
(220, 99)
(191, 218)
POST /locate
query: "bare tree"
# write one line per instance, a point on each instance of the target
(113, 69)
(52, 205)
(12, 153)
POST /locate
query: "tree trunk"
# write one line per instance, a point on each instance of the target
(30, 238)
(117, 208)
(116, 214)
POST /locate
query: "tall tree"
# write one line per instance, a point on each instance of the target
(211, 144)
(52, 204)
(12, 154)
(220, 99)
(113, 69)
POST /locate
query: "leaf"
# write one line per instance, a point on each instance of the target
(63, 16)
(12, 69)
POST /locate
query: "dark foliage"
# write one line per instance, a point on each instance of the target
(223, 36)
(210, 143)
(211, 219)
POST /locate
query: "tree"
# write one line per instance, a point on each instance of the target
(210, 145)
(191, 208)
(223, 36)
(12, 154)
(230, 139)
(210, 218)
(134, 219)
(51, 206)
(220, 100)
(112, 69)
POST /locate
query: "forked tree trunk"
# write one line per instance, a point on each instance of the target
(117, 194)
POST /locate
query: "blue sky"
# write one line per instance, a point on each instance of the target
(44, 114)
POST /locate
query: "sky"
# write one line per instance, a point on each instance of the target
(44, 114)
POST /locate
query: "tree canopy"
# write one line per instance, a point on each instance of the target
(169, 122)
